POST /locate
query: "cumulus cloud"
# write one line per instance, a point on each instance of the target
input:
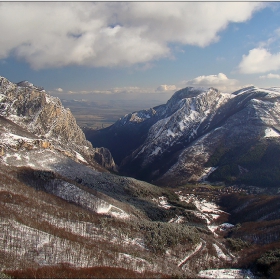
(111, 34)
(270, 76)
(59, 89)
(259, 60)
(220, 81)
(166, 87)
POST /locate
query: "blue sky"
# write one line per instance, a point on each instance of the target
(137, 50)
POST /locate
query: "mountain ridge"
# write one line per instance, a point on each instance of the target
(174, 141)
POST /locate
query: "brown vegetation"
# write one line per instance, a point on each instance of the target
(64, 271)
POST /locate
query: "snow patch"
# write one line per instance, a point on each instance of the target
(156, 151)
(170, 133)
(2, 97)
(177, 220)
(197, 248)
(206, 172)
(182, 125)
(226, 274)
(206, 210)
(269, 91)
(162, 202)
(213, 228)
(118, 213)
(220, 253)
(270, 132)
(80, 158)
(48, 99)
(13, 139)
(226, 226)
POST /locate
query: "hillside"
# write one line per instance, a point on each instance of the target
(52, 205)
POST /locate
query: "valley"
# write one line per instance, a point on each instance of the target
(193, 193)
(101, 114)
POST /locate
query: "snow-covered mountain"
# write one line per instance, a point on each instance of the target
(193, 134)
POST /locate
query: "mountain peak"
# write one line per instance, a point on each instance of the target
(189, 92)
(5, 83)
(27, 84)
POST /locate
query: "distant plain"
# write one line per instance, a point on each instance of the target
(101, 114)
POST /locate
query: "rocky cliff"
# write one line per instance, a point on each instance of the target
(43, 115)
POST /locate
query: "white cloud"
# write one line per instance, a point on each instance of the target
(166, 87)
(220, 81)
(59, 89)
(259, 60)
(270, 76)
(109, 34)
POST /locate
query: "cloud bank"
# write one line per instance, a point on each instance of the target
(220, 81)
(111, 34)
(166, 88)
(270, 76)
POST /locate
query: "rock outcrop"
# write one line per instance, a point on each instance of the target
(43, 115)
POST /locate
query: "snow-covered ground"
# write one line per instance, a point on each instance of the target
(196, 249)
(49, 249)
(135, 263)
(74, 194)
(221, 254)
(11, 139)
(177, 220)
(162, 202)
(226, 274)
(208, 211)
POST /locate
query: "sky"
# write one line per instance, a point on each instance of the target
(139, 50)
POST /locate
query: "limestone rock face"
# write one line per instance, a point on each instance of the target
(33, 109)
(104, 158)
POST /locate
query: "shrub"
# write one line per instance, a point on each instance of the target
(158, 236)
(237, 244)
(269, 263)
